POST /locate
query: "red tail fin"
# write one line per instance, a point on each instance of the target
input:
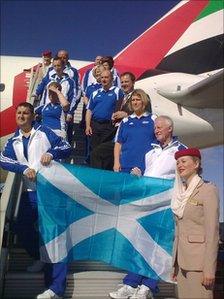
(147, 51)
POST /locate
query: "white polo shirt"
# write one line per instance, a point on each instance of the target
(160, 162)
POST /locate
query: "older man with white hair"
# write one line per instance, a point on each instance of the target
(159, 162)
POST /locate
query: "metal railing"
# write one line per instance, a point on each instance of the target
(9, 203)
(34, 79)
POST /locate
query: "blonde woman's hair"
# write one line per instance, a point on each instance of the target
(144, 97)
(196, 159)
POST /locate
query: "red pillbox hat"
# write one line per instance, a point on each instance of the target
(47, 54)
(194, 152)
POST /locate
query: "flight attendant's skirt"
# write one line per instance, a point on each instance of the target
(189, 285)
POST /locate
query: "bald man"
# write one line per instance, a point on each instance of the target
(102, 104)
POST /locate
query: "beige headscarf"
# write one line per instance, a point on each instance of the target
(181, 194)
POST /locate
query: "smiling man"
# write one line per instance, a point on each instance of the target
(102, 104)
(159, 162)
(33, 147)
(70, 90)
(103, 155)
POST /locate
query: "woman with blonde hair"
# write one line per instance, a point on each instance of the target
(135, 134)
(195, 205)
(132, 141)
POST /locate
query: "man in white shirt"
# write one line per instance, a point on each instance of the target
(159, 162)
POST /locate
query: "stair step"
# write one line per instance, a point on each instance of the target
(86, 279)
(89, 284)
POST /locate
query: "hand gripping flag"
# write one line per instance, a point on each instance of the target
(117, 218)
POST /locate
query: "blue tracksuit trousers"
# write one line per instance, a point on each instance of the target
(28, 234)
(135, 280)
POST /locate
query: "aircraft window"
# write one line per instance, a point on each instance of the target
(2, 86)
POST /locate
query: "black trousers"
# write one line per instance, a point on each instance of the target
(101, 131)
(102, 156)
(70, 129)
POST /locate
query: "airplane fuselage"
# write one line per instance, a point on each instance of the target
(202, 127)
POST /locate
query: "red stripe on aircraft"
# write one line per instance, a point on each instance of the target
(7, 117)
(150, 48)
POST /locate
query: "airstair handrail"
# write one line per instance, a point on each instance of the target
(33, 82)
(4, 201)
(8, 201)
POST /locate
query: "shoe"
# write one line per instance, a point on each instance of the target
(48, 294)
(143, 292)
(37, 266)
(124, 292)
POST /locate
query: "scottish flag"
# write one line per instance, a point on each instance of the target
(117, 218)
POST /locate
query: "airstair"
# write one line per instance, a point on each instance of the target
(86, 279)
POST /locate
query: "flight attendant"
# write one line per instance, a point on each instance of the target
(195, 204)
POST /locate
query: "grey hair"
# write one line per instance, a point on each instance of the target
(168, 120)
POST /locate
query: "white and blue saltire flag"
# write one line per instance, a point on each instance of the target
(117, 218)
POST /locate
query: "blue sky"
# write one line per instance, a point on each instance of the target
(86, 29)
(212, 164)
